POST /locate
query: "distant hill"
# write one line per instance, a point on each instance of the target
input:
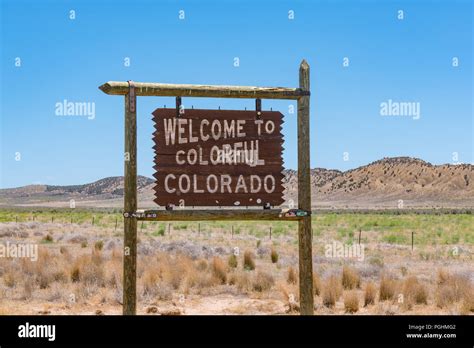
(384, 182)
(104, 189)
(381, 184)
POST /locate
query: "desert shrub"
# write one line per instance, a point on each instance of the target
(75, 274)
(414, 292)
(445, 296)
(93, 274)
(263, 281)
(232, 261)
(332, 291)
(44, 278)
(376, 261)
(316, 284)
(59, 275)
(249, 261)
(159, 232)
(149, 280)
(291, 277)
(452, 288)
(443, 276)
(48, 238)
(350, 278)
(467, 305)
(84, 244)
(9, 279)
(369, 294)
(387, 288)
(241, 280)
(351, 301)
(174, 270)
(219, 270)
(202, 265)
(274, 255)
(89, 270)
(28, 289)
(99, 245)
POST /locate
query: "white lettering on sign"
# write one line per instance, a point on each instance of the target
(226, 129)
(222, 183)
(238, 153)
(218, 157)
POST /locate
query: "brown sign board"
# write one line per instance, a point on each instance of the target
(218, 158)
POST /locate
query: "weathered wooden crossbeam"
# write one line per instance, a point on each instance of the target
(214, 214)
(206, 91)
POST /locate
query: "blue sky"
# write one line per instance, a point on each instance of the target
(408, 60)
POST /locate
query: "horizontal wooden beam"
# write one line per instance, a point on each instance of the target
(214, 214)
(206, 91)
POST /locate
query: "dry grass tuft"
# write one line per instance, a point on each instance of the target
(332, 291)
(388, 288)
(249, 260)
(414, 292)
(48, 238)
(369, 294)
(274, 255)
(219, 270)
(9, 278)
(351, 301)
(316, 284)
(453, 288)
(241, 280)
(291, 278)
(467, 306)
(350, 278)
(443, 276)
(232, 261)
(99, 245)
(263, 281)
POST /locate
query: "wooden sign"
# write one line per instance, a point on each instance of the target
(218, 158)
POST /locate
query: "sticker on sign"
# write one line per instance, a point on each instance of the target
(218, 158)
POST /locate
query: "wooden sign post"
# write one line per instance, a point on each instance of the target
(244, 166)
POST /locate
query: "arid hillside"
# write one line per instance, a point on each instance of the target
(387, 183)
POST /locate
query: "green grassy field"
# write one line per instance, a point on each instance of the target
(428, 229)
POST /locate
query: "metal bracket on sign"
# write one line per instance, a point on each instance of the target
(179, 109)
(258, 107)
